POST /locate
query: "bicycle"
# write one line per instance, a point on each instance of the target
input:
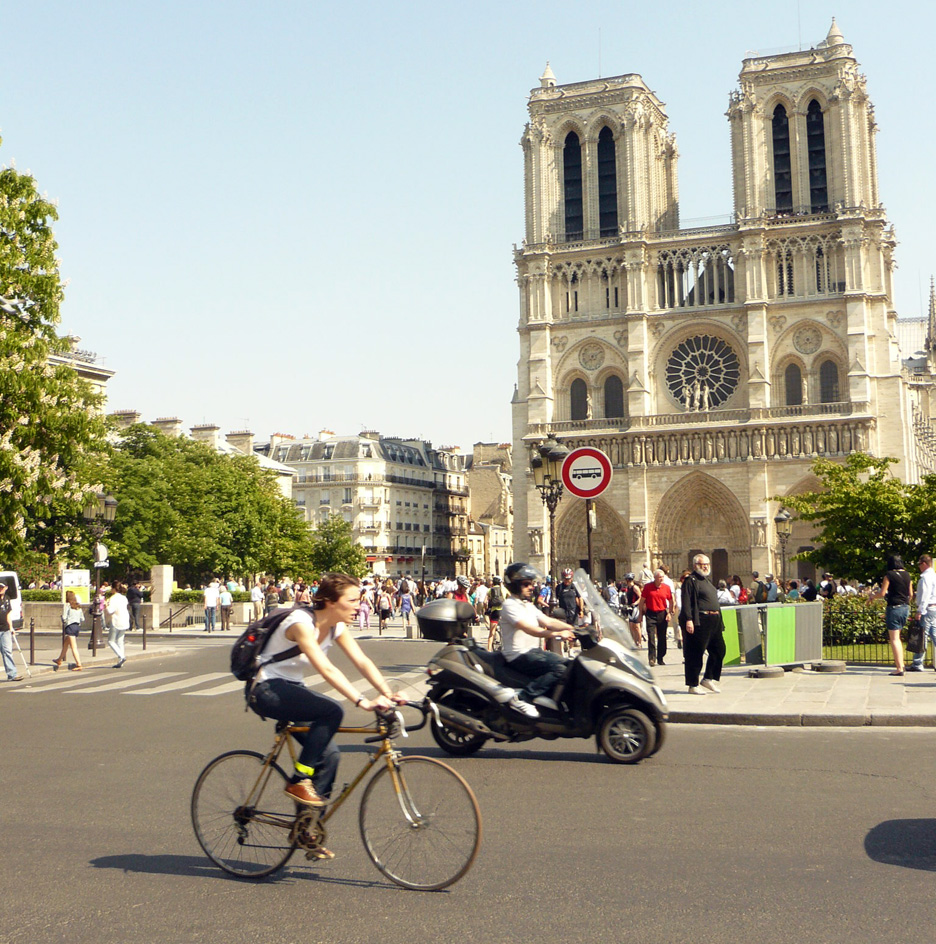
(423, 832)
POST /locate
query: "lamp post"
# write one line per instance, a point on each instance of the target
(784, 525)
(546, 466)
(100, 516)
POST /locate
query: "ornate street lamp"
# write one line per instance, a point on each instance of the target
(784, 525)
(100, 516)
(546, 465)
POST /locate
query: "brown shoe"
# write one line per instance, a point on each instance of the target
(303, 792)
(321, 853)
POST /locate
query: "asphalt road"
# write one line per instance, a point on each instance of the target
(728, 834)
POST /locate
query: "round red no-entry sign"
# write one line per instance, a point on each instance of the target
(586, 472)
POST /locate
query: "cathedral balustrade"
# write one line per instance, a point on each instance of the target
(699, 418)
(733, 443)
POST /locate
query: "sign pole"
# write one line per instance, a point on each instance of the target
(586, 473)
(588, 535)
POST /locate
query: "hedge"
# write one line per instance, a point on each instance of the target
(198, 596)
(847, 620)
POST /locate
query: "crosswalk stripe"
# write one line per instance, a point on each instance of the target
(187, 682)
(72, 681)
(125, 683)
(235, 686)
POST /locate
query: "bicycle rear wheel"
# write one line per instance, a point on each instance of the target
(241, 816)
(422, 831)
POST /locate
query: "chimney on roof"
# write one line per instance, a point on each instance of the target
(242, 441)
(325, 434)
(371, 434)
(207, 432)
(125, 418)
(169, 425)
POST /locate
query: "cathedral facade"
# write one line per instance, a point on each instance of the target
(712, 364)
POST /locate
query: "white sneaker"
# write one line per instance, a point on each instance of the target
(546, 702)
(711, 685)
(523, 707)
(697, 690)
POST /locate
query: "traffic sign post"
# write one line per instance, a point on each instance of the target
(586, 473)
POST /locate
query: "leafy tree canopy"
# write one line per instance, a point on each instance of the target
(183, 503)
(51, 433)
(334, 550)
(864, 514)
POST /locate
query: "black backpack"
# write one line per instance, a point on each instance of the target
(245, 654)
(760, 594)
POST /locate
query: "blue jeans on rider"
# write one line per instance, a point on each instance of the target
(283, 700)
(545, 669)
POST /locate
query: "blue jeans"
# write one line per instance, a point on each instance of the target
(283, 700)
(545, 669)
(6, 648)
(929, 633)
(210, 617)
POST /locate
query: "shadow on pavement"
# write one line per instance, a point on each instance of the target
(200, 867)
(910, 843)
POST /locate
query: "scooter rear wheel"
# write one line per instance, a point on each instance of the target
(626, 735)
(451, 740)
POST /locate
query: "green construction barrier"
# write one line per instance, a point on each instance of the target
(732, 640)
(781, 634)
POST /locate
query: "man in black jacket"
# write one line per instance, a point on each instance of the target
(703, 629)
(134, 602)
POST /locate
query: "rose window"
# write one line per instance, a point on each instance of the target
(702, 372)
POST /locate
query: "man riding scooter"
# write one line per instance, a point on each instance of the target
(523, 626)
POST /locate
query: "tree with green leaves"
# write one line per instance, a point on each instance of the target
(864, 513)
(181, 502)
(334, 550)
(51, 432)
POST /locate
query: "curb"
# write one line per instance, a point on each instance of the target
(45, 668)
(878, 719)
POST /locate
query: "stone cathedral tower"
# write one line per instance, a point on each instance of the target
(712, 364)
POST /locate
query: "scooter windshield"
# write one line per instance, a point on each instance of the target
(611, 624)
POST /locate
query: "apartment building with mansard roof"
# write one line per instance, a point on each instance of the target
(712, 364)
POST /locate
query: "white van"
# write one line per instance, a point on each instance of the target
(10, 578)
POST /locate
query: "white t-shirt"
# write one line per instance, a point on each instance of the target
(516, 641)
(211, 595)
(295, 668)
(118, 612)
(481, 592)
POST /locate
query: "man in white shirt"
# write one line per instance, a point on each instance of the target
(522, 627)
(212, 592)
(256, 599)
(926, 610)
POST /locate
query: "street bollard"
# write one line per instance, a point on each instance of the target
(32, 640)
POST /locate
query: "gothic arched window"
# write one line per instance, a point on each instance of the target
(614, 397)
(815, 146)
(607, 184)
(793, 381)
(829, 382)
(783, 172)
(578, 400)
(572, 182)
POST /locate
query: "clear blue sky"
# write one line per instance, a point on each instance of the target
(297, 215)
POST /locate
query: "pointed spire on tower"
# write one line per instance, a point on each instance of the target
(931, 322)
(547, 79)
(835, 37)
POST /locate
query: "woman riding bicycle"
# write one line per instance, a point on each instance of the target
(279, 692)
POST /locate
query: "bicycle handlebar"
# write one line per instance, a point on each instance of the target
(394, 719)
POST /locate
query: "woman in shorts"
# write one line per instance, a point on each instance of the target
(72, 618)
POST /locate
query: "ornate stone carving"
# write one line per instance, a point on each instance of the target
(621, 337)
(777, 322)
(560, 343)
(591, 356)
(639, 536)
(835, 318)
(807, 339)
(657, 328)
(702, 372)
(740, 322)
(536, 541)
(758, 532)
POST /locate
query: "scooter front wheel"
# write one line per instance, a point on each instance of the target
(626, 735)
(454, 741)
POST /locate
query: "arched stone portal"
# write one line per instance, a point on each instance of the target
(699, 513)
(610, 540)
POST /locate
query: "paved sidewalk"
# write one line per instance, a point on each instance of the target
(863, 695)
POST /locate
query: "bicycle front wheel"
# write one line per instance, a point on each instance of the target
(242, 818)
(420, 824)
